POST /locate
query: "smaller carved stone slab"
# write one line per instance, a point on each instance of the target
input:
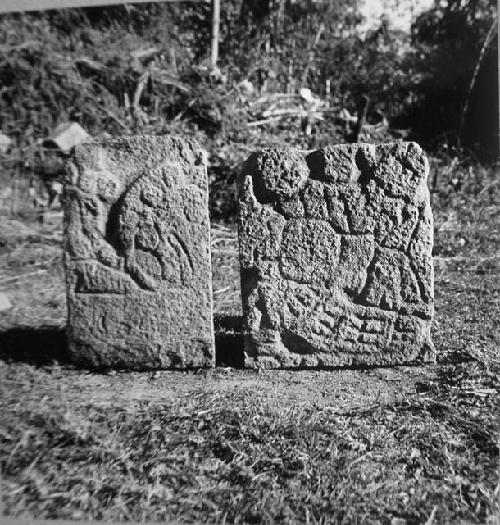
(137, 255)
(335, 255)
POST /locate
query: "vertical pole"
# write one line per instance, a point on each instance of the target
(214, 48)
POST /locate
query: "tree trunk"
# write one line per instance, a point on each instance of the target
(214, 48)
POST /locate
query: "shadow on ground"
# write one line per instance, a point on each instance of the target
(46, 344)
(229, 340)
(37, 346)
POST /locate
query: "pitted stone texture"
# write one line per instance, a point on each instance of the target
(335, 255)
(137, 255)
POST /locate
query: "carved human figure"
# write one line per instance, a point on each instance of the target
(137, 254)
(335, 255)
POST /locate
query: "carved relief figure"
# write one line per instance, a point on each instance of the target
(131, 237)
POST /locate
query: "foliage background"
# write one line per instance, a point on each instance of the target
(400, 446)
(144, 69)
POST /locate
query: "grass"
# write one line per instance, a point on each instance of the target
(226, 458)
(409, 445)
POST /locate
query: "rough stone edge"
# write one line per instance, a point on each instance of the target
(426, 354)
(71, 165)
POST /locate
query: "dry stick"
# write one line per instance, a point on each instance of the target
(17, 177)
(434, 185)
(265, 121)
(137, 96)
(363, 108)
(13, 209)
(465, 108)
(17, 277)
(112, 116)
(310, 58)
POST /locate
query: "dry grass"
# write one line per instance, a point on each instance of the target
(225, 262)
(227, 458)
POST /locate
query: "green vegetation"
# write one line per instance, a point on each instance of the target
(87, 63)
(233, 457)
(144, 70)
(409, 445)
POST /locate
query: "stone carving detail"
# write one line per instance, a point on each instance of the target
(137, 255)
(335, 255)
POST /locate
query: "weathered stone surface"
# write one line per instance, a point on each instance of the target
(335, 254)
(137, 255)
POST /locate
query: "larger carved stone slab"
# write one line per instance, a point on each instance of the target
(137, 255)
(335, 255)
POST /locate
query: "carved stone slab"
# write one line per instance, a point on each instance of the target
(137, 255)
(335, 255)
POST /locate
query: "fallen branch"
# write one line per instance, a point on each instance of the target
(17, 277)
(316, 115)
(262, 122)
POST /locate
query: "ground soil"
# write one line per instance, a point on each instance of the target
(455, 400)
